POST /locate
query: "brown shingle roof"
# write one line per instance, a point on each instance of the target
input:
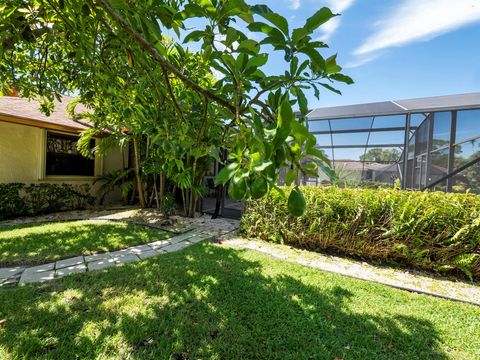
(24, 111)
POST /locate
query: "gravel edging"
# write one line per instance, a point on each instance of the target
(417, 281)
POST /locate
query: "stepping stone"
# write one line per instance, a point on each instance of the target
(10, 281)
(139, 249)
(69, 262)
(176, 247)
(118, 253)
(148, 254)
(71, 270)
(182, 237)
(6, 273)
(34, 277)
(39, 268)
(199, 237)
(158, 244)
(127, 258)
(97, 257)
(101, 264)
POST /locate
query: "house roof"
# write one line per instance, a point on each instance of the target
(358, 165)
(27, 112)
(435, 103)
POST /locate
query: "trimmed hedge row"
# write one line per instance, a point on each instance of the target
(429, 230)
(18, 199)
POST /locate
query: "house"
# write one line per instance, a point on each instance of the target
(36, 148)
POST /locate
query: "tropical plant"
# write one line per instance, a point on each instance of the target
(431, 230)
(149, 89)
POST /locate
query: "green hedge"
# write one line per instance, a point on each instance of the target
(429, 230)
(18, 199)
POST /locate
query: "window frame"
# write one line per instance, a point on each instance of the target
(42, 172)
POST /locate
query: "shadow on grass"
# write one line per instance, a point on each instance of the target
(205, 302)
(31, 244)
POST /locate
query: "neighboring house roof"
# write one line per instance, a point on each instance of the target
(435, 103)
(348, 164)
(27, 112)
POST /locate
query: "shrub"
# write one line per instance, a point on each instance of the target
(430, 230)
(19, 200)
(11, 203)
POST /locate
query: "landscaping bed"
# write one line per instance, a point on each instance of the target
(38, 243)
(430, 230)
(213, 302)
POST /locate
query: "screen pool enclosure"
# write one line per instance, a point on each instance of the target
(424, 143)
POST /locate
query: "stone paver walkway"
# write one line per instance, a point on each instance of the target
(147, 217)
(186, 232)
(79, 264)
(407, 280)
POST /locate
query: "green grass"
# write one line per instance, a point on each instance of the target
(209, 302)
(30, 244)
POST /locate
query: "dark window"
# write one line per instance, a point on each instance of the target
(63, 157)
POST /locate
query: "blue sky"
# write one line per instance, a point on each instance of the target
(393, 49)
(396, 49)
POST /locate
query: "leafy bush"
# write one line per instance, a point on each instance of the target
(429, 230)
(11, 203)
(20, 200)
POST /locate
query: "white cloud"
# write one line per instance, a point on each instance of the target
(360, 60)
(415, 20)
(337, 6)
(294, 4)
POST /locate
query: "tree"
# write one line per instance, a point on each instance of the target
(381, 155)
(115, 56)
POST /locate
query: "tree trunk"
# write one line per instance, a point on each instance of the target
(141, 194)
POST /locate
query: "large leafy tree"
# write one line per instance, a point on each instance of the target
(114, 55)
(381, 155)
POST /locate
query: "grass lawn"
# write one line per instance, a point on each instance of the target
(30, 244)
(218, 303)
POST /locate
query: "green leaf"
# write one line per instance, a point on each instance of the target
(257, 61)
(262, 166)
(342, 78)
(319, 154)
(195, 36)
(299, 34)
(302, 102)
(249, 46)
(319, 18)
(331, 88)
(317, 62)
(226, 174)
(299, 132)
(331, 66)
(276, 19)
(290, 177)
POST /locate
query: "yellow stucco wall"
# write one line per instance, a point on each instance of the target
(19, 153)
(22, 157)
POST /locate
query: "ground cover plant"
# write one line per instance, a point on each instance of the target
(38, 243)
(430, 230)
(218, 303)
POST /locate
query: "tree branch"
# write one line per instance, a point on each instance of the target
(144, 44)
